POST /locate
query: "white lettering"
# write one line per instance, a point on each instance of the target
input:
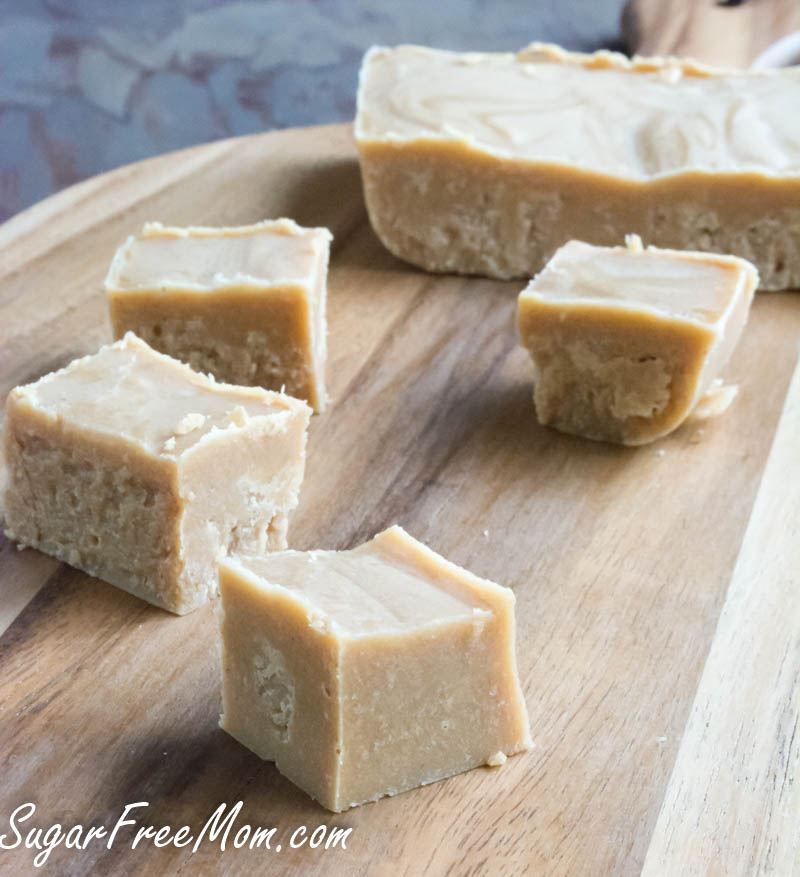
(181, 839)
(262, 834)
(141, 834)
(316, 837)
(123, 821)
(95, 831)
(33, 839)
(216, 827)
(336, 835)
(243, 833)
(220, 827)
(73, 839)
(13, 825)
(52, 838)
(162, 837)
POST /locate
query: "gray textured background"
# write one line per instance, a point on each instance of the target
(88, 85)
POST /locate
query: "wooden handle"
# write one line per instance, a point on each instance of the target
(730, 35)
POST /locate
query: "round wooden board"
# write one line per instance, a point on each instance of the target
(619, 558)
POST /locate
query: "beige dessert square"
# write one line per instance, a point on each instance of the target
(486, 163)
(246, 305)
(627, 342)
(136, 469)
(369, 672)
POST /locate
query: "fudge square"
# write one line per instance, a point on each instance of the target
(368, 672)
(246, 304)
(131, 466)
(627, 342)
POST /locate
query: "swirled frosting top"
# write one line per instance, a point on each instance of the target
(270, 252)
(701, 287)
(635, 119)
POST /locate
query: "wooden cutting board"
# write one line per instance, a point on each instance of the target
(657, 631)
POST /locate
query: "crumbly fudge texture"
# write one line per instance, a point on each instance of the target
(627, 342)
(487, 163)
(368, 672)
(245, 304)
(131, 466)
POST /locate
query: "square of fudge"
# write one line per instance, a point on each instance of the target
(246, 304)
(368, 672)
(129, 465)
(627, 342)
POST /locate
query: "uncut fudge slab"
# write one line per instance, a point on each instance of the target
(246, 304)
(627, 342)
(132, 467)
(487, 163)
(368, 672)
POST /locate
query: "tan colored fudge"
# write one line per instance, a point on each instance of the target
(246, 304)
(369, 672)
(487, 163)
(627, 342)
(131, 466)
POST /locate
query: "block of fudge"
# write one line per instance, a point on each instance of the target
(246, 304)
(487, 163)
(131, 466)
(368, 672)
(627, 342)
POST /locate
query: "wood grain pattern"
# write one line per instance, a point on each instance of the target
(620, 558)
(734, 776)
(727, 35)
(732, 806)
(432, 427)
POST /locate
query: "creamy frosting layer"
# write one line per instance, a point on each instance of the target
(634, 119)
(365, 590)
(695, 286)
(198, 258)
(128, 391)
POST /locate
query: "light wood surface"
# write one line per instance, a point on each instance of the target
(620, 560)
(734, 777)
